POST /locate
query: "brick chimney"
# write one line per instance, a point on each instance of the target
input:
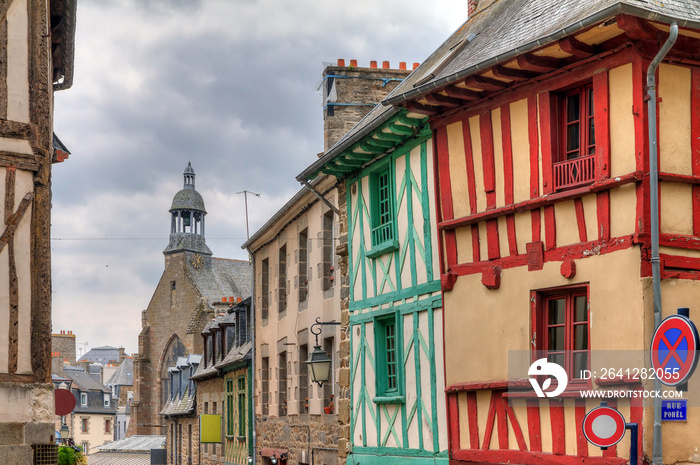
(350, 92)
(471, 7)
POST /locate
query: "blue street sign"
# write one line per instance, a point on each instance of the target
(674, 410)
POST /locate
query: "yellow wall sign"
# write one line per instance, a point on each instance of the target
(209, 429)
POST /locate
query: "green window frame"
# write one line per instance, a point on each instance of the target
(389, 366)
(241, 407)
(382, 211)
(229, 407)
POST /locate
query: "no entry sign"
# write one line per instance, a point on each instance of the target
(604, 426)
(673, 350)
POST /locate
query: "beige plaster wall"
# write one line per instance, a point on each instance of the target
(492, 322)
(674, 119)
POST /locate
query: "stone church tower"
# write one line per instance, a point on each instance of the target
(193, 285)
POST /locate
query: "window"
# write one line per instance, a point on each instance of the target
(382, 211)
(84, 424)
(282, 282)
(576, 162)
(83, 399)
(86, 448)
(173, 287)
(303, 379)
(241, 407)
(108, 426)
(303, 265)
(265, 381)
(229, 407)
(105, 399)
(562, 321)
(388, 359)
(282, 384)
(264, 288)
(328, 267)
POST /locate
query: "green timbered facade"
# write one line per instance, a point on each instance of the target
(394, 391)
(397, 381)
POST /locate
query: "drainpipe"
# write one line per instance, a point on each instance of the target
(657, 453)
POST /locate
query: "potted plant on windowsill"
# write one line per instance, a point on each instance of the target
(328, 410)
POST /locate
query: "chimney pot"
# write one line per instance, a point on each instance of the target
(231, 299)
(373, 64)
(238, 299)
(353, 63)
(415, 65)
(341, 62)
(385, 64)
(402, 65)
(223, 299)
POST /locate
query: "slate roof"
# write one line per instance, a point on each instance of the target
(102, 354)
(124, 376)
(226, 277)
(502, 30)
(120, 458)
(508, 28)
(237, 354)
(181, 406)
(83, 380)
(134, 443)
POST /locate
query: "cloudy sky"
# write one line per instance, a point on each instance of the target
(229, 85)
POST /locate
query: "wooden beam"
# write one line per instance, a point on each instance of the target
(485, 83)
(401, 129)
(576, 47)
(439, 99)
(513, 74)
(407, 120)
(638, 28)
(462, 93)
(385, 144)
(428, 110)
(370, 148)
(388, 136)
(540, 64)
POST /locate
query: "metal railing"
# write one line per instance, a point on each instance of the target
(383, 233)
(572, 173)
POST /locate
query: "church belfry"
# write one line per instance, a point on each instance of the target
(187, 214)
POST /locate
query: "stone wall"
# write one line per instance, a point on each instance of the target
(178, 431)
(170, 316)
(344, 352)
(211, 396)
(303, 436)
(63, 348)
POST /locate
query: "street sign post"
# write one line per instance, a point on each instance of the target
(605, 426)
(673, 349)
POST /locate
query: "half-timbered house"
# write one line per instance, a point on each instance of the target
(36, 59)
(539, 116)
(393, 318)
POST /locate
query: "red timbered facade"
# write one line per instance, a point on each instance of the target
(542, 189)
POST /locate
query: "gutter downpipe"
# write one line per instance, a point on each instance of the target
(657, 452)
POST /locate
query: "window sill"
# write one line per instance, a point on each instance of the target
(384, 247)
(389, 400)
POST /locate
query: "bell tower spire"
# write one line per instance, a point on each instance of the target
(187, 219)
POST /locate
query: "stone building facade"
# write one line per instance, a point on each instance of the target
(296, 283)
(36, 59)
(186, 298)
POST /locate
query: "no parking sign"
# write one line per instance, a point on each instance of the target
(674, 350)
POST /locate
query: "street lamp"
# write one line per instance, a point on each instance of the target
(319, 362)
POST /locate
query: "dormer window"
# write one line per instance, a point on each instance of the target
(83, 399)
(105, 399)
